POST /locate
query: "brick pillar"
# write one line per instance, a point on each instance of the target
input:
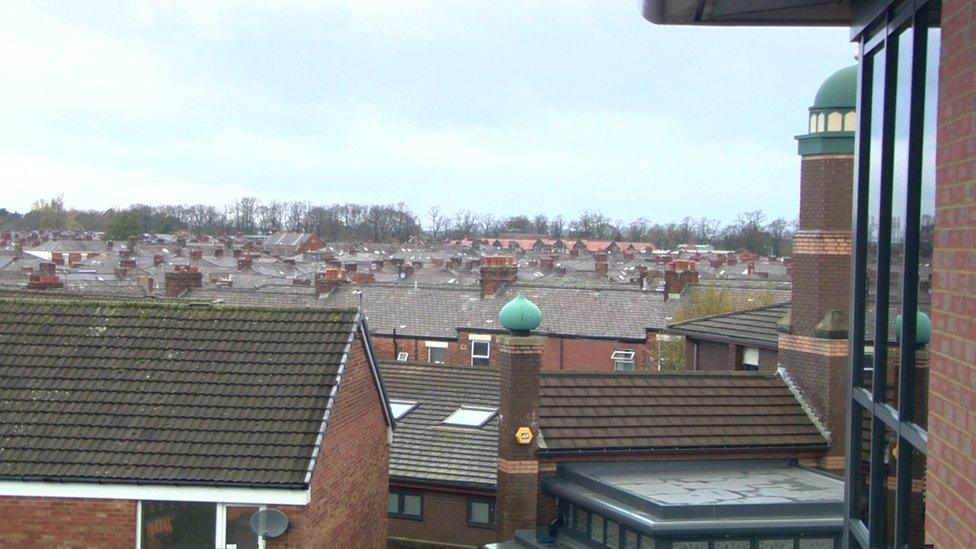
(950, 519)
(519, 363)
(814, 347)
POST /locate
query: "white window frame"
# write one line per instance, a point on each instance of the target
(430, 351)
(403, 356)
(220, 536)
(491, 413)
(486, 356)
(624, 356)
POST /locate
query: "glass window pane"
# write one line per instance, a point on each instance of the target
(580, 523)
(393, 503)
(733, 544)
(238, 527)
(437, 355)
(630, 539)
(596, 528)
(816, 543)
(876, 113)
(696, 544)
(480, 512)
(411, 505)
(613, 535)
(776, 544)
(178, 525)
(479, 348)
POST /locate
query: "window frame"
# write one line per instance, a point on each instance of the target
(430, 352)
(401, 494)
(486, 357)
(220, 520)
(492, 514)
(402, 356)
(879, 43)
(631, 359)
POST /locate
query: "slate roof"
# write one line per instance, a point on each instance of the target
(721, 411)
(438, 312)
(287, 239)
(751, 327)
(140, 392)
(422, 450)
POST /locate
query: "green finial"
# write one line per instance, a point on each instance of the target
(520, 315)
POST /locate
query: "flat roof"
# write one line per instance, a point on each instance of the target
(730, 484)
(675, 498)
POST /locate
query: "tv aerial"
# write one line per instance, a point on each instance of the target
(269, 523)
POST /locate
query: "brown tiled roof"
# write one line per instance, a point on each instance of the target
(718, 411)
(115, 391)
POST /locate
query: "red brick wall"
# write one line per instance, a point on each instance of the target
(350, 482)
(445, 520)
(714, 356)
(67, 523)
(951, 511)
(559, 353)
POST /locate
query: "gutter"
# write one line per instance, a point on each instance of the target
(683, 450)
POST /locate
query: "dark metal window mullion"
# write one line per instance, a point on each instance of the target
(877, 522)
(906, 370)
(858, 294)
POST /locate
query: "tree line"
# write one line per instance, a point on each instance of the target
(397, 223)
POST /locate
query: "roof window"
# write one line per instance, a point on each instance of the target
(470, 416)
(401, 408)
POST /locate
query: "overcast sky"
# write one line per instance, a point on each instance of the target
(551, 106)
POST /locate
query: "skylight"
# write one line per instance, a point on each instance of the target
(470, 416)
(401, 408)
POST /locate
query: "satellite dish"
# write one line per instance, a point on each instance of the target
(269, 523)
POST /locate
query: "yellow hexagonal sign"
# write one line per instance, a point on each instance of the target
(523, 435)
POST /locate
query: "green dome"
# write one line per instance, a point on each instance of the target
(839, 90)
(923, 329)
(520, 315)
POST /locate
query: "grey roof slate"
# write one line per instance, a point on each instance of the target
(424, 451)
(141, 392)
(438, 311)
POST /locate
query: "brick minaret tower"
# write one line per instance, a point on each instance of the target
(813, 346)
(519, 362)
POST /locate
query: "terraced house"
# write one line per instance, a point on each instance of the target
(169, 425)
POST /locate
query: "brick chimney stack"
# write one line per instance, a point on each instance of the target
(45, 278)
(519, 365)
(328, 280)
(813, 344)
(245, 262)
(680, 273)
(182, 279)
(496, 271)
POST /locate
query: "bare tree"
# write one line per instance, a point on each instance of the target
(437, 221)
